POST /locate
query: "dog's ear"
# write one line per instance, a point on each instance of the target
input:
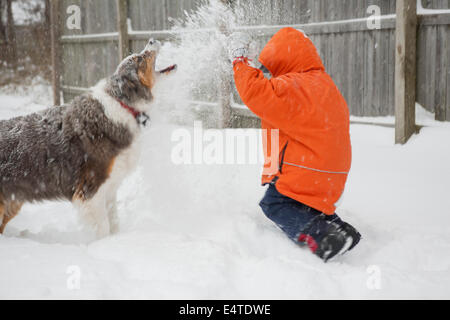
(126, 84)
(115, 87)
(119, 89)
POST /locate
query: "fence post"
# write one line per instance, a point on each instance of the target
(225, 100)
(56, 56)
(122, 28)
(405, 70)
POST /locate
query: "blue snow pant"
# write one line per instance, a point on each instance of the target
(290, 215)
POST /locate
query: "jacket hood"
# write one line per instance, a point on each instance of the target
(289, 51)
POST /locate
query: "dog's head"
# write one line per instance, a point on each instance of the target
(135, 76)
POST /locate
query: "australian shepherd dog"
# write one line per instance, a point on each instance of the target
(80, 151)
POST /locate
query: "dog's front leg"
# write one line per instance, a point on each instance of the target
(94, 214)
(8, 211)
(111, 206)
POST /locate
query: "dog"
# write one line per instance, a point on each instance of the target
(82, 151)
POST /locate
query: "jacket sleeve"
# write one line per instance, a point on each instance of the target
(261, 95)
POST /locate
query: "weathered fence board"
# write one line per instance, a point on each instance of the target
(156, 15)
(97, 16)
(433, 88)
(308, 11)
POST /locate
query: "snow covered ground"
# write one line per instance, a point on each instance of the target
(196, 231)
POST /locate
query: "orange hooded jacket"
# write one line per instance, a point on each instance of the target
(312, 118)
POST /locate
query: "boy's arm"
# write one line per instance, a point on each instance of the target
(258, 94)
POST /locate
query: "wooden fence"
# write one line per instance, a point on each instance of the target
(360, 60)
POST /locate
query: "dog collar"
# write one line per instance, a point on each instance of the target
(141, 117)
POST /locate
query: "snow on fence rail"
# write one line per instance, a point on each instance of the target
(360, 60)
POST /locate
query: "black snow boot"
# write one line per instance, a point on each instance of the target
(329, 236)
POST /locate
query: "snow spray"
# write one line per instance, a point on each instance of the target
(199, 47)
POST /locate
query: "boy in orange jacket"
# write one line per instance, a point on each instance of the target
(302, 102)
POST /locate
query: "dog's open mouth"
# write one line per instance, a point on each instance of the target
(154, 46)
(168, 69)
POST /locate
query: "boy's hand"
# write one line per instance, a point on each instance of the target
(238, 46)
